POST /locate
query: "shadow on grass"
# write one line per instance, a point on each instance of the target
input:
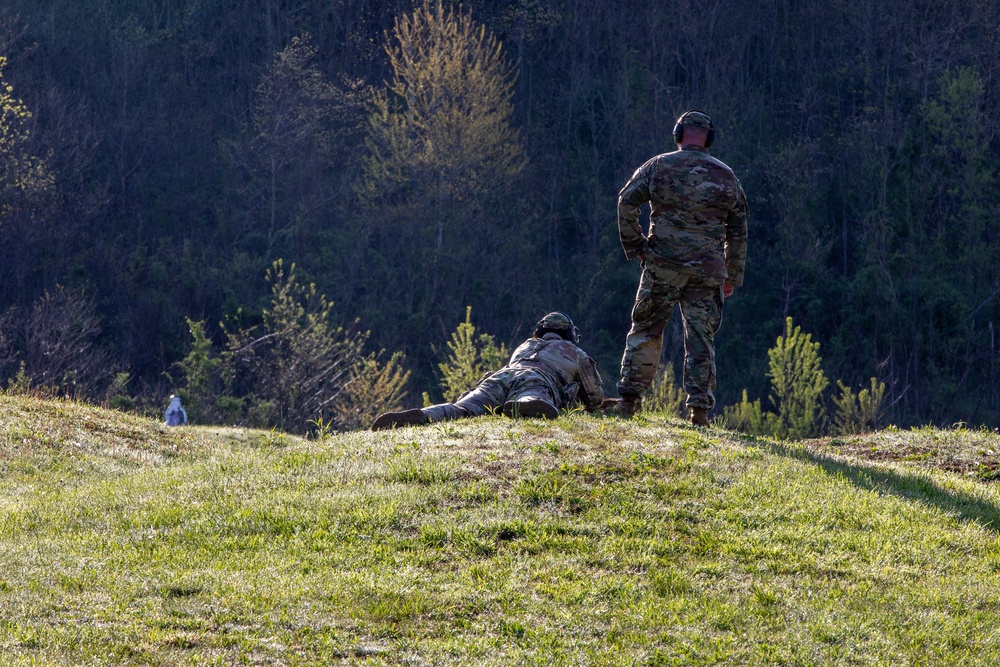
(916, 487)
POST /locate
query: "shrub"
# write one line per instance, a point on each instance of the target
(857, 413)
(372, 389)
(664, 395)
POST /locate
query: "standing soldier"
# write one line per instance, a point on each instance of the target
(693, 256)
(546, 372)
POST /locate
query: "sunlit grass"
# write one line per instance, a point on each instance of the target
(487, 542)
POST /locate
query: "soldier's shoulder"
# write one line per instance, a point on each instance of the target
(721, 165)
(720, 169)
(580, 352)
(659, 163)
(669, 158)
(527, 343)
(524, 348)
(564, 347)
(703, 157)
(559, 343)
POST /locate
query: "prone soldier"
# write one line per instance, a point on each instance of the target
(546, 372)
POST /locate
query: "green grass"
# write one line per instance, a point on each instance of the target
(491, 542)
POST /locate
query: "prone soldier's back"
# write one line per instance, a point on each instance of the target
(563, 363)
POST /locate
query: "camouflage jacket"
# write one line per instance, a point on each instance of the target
(567, 368)
(698, 215)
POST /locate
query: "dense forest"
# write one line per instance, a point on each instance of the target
(407, 159)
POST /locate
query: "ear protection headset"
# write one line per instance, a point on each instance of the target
(574, 333)
(679, 129)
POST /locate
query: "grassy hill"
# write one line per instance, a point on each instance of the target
(492, 542)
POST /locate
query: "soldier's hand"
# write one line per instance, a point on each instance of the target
(727, 289)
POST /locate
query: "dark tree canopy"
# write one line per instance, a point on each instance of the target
(415, 157)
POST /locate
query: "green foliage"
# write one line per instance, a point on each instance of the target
(797, 387)
(797, 384)
(445, 122)
(295, 369)
(292, 147)
(294, 364)
(118, 396)
(469, 358)
(20, 383)
(294, 102)
(664, 395)
(443, 156)
(57, 346)
(861, 412)
(22, 173)
(956, 120)
(200, 371)
(749, 417)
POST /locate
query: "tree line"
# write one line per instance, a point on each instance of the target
(414, 158)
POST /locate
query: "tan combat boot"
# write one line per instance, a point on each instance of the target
(699, 417)
(626, 406)
(631, 405)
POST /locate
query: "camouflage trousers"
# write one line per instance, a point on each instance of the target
(507, 384)
(700, 302)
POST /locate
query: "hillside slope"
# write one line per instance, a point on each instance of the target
(491, 542)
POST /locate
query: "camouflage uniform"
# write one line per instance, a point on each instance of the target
(549, 369)
(697, 242)
(547, 372)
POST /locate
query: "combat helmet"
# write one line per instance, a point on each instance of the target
(558, 323)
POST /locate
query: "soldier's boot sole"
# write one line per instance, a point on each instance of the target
(530, 409)
(388, 420)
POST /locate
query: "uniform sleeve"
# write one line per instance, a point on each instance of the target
(591, 392)
(736, 238)
(630, 200)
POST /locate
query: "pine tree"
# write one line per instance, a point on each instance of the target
(199, 368)
(749, 417)
(857, 413)
(469, 359)
(797, 383)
